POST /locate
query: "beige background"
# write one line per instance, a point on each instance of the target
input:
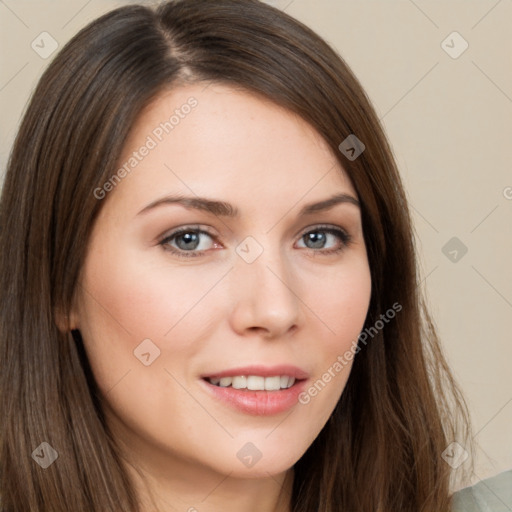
(449, 121)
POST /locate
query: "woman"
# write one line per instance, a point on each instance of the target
(211, 295)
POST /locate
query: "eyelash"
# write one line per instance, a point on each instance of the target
(345, 238)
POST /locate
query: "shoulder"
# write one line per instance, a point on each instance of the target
(491, 495)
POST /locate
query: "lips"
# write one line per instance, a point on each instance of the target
(261, 395)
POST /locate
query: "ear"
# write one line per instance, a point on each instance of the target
(66, 322)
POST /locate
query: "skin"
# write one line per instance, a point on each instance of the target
(292, 305)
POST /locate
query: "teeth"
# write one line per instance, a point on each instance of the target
(225, 382)
(239, 382)
(254, 382)
(273, 383)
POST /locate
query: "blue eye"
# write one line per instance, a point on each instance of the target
(187, 239)
(320, 236)
(184, 242)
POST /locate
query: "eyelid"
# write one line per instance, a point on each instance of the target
(184, 229)
(321, 227)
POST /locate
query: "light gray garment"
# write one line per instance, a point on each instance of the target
(491, 495)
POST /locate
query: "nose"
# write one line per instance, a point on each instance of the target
(265, 299)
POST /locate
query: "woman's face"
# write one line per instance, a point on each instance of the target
(279, 290)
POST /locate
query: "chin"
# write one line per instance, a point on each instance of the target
(261, 460)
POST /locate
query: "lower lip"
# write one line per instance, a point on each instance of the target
(258, 403)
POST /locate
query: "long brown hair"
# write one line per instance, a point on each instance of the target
(382, 447)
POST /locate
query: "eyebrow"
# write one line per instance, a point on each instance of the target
(223, 209)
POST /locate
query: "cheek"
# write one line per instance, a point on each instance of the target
(139, 298)
(130, 298)
(127, 302)
(341, 309)
(340, 304)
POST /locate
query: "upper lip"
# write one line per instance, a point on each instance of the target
(261, 370)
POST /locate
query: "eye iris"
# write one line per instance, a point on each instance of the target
(317, 238)
(189, 238)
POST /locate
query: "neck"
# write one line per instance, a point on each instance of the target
(194, 489)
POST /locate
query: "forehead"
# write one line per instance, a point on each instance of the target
(214, 140)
